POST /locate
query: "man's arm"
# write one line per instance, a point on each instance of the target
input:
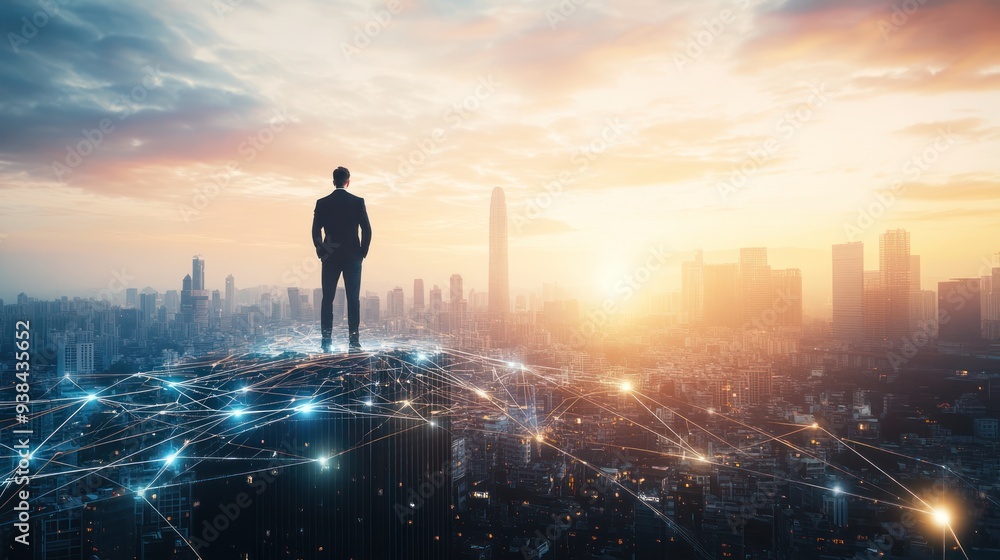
(317, 232)
(366, 231)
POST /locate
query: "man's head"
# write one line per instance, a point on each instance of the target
(341, 177)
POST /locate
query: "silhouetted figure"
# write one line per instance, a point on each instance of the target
(339, 215)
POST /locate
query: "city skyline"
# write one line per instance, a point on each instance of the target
(642, 279)
(893, 133)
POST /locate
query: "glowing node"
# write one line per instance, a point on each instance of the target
(91, 397)
(626, 386)
(368, 402)
(837, 490)
(941, 517)
(481, 393)
(238, 413)
(711, 411)
(421, 357)
(432, 423)
(540, 438)
(815, 424)
(244, 389)
(172, 457)
(406, 404)
(323, 462)
(305, 408)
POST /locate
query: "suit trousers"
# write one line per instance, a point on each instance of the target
(333, 267)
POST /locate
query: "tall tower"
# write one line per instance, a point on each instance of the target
(230, 305)
(894, 269)
(755, 288)
(848, 291)
(457, 293)
(418, 296)
(499, 287)
(197, 273)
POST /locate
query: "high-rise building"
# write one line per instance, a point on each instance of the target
(436, 300)
(230, 306)
(172, 301)
(198, 273)
(457, 294)
(418, 296)
(132, 298)
(915, 273)
(960, 310)
(294, 304)
(848, 291)
(787, 299)
(894, 269)
(75, 353)
(371, 312)
(720, 294)
(874, 306)
(757, 382)
(187, 306)
(923, 310)
(499, 287)
(147, 307)
(394, 303)
(990, 301)
(756, 292)
(693, 290)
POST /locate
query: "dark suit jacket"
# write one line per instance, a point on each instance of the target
(339, 215)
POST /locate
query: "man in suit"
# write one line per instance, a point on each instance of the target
(339, 215)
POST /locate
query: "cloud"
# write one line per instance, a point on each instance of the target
(962, 189)
(139, 74)
(972, 128)
(948, 45)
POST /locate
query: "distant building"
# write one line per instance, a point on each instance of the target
(693, 290)
(721, 295)
(418, 296)
(848, 291)
(894, 269)
(499, 287)
(960, 311)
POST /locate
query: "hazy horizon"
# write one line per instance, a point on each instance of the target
(612, 129)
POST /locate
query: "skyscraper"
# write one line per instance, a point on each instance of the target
(436, 300)
(720, 295)
(848, 291)
(499, 287)
(294, 304)
(755, 289)
(787, 302)
(147, 306)
(394, 303)
(990, 300)
(874, 306)
(960, 310)
(894, 269)
(693, 289)
(230, 305)
(198, 273)
(457, 294)
(418, 296)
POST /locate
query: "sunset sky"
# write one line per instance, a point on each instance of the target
(647, 109)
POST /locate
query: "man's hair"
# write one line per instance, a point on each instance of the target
(340, 176)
